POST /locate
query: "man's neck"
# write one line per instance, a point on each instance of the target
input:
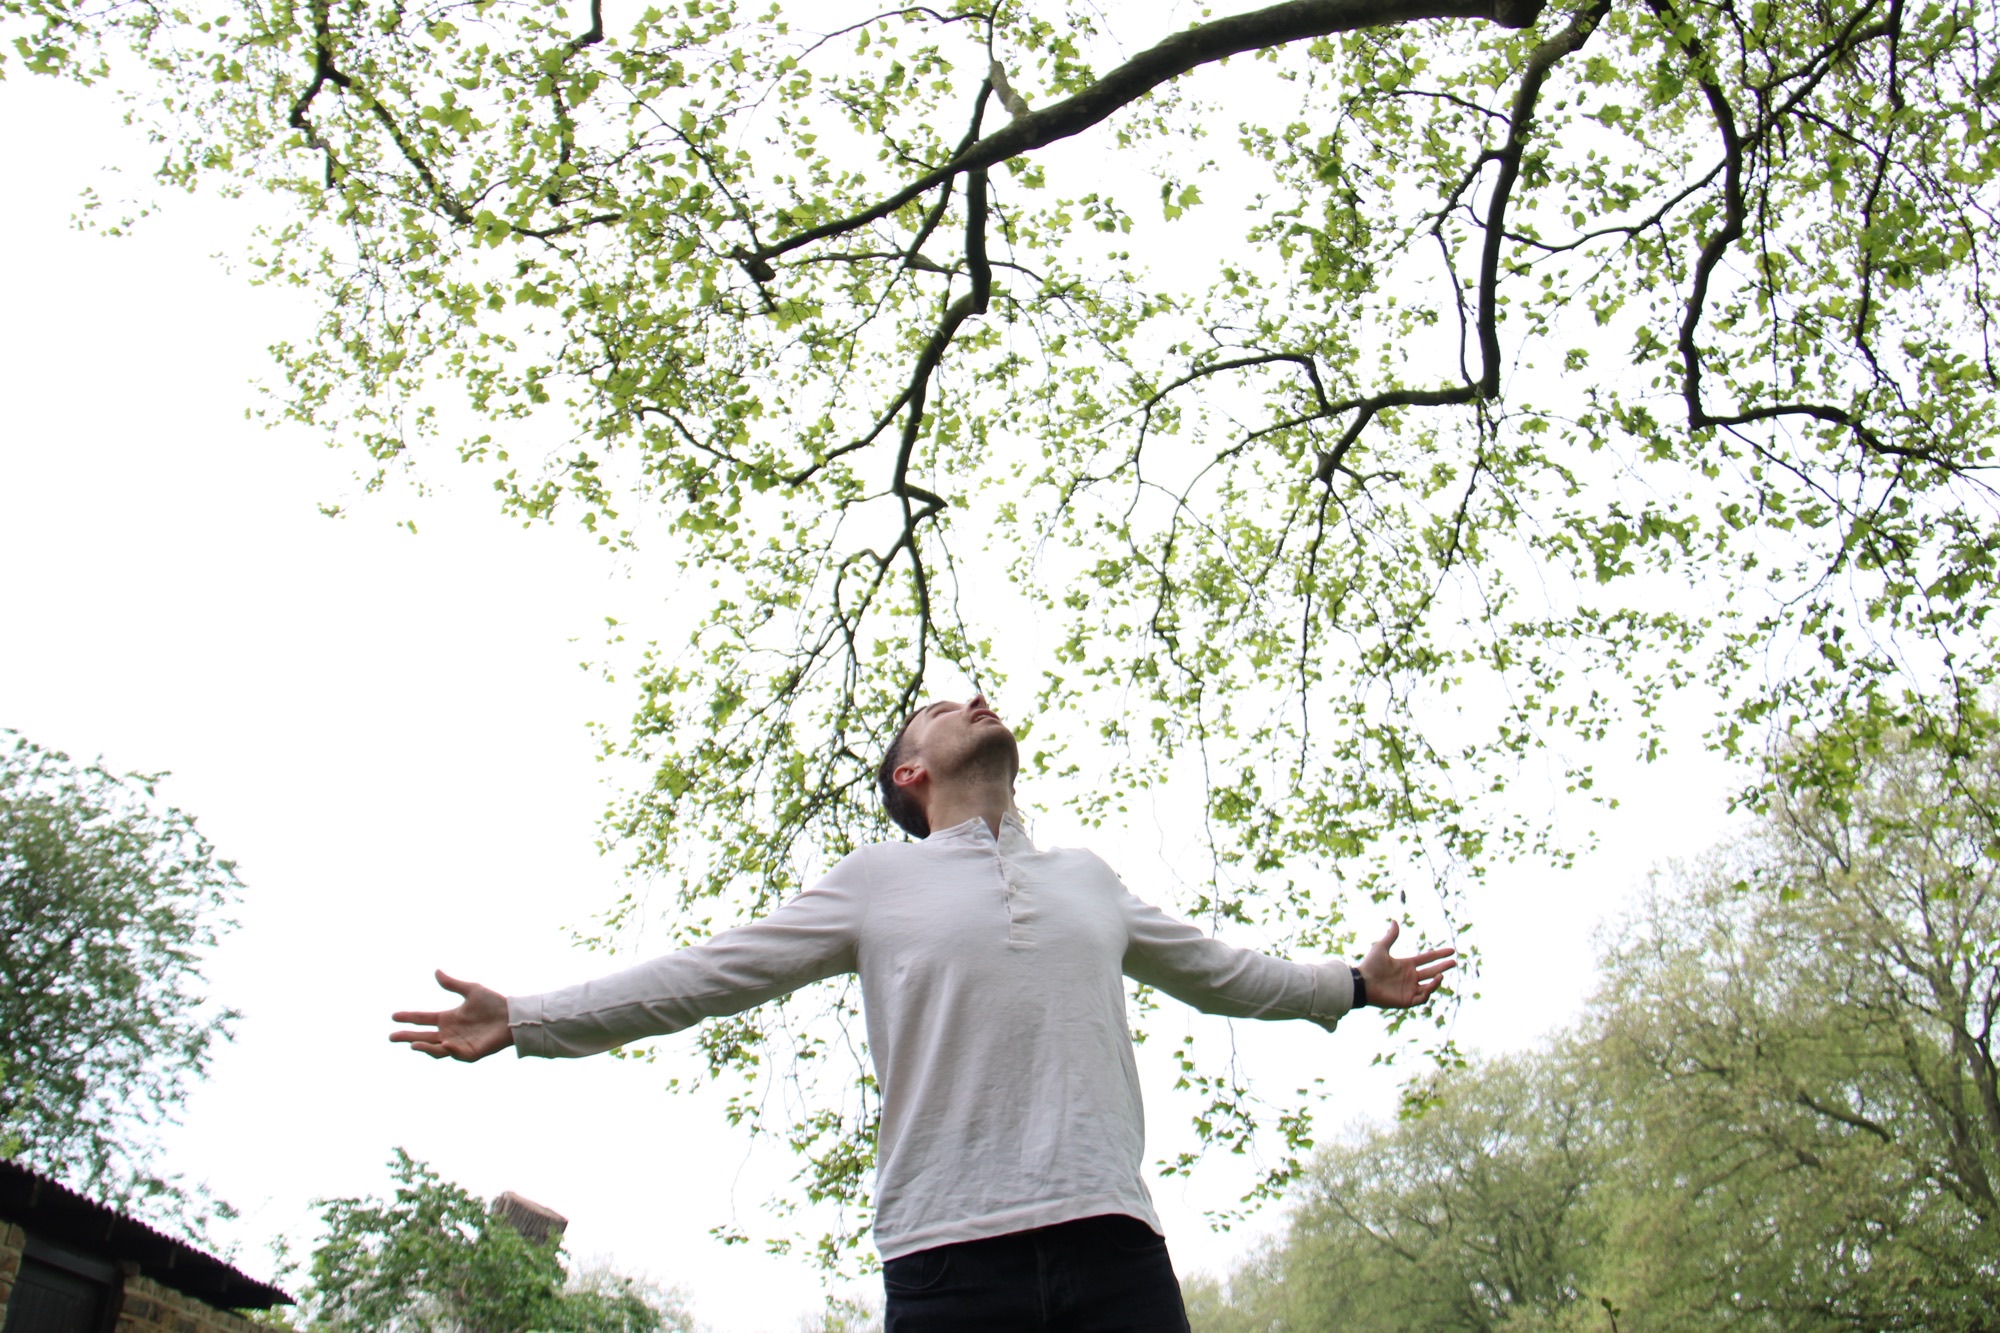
(952, 805)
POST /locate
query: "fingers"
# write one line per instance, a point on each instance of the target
(1419, 994)
(434, 1045)
(1427, 980)
(427, 1042)
(430, 1018)
(1390, 938)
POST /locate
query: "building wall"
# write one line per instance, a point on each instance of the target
(12, 1241)
(148, 1307)
(152, 1308)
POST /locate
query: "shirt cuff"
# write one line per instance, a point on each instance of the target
(525, 1019)
(1333, 992)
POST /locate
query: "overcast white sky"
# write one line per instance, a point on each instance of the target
(387, 731)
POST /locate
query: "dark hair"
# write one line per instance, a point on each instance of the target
(902, 806)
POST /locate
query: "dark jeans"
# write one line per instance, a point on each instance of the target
(1096, 1275)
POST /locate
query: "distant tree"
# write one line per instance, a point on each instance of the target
(1211, 1307)
(436, 1259)
(1780, 1110)
(1478, 1211)
(1802, 1034)
(108, 900)
(845, 1314)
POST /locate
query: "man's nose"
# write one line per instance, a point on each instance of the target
(978, 701)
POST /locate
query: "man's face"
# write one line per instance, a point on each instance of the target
(951, 739)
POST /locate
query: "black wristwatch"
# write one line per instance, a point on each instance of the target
(1360, 988)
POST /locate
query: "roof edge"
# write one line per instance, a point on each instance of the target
(48, 1209)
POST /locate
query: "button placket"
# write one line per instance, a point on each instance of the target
(1020, 906)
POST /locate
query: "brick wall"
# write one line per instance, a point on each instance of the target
(152, 1308)
(148, 1307)
(12, 1240)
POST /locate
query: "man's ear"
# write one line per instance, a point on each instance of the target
(909, 773)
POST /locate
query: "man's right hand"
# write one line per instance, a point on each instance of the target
(473, 1031)
(1403, 983)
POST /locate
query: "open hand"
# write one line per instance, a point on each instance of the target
(1402, 983)
(473, 1031)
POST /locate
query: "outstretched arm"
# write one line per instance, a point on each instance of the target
(810, 937)
(1220, 978)
(1402, 983)
(473, 1031)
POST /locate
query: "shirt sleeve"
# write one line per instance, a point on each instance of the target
(807, 939)
(1172, 956)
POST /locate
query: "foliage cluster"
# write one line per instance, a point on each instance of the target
(108, 900)
(846, 1315)
(435, 1259)
(1781, 1111)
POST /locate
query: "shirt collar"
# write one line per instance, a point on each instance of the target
(1013, 833)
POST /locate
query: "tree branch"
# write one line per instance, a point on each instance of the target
(1712, 252)
(1847, 1118)
(1544, 57)
(1540, 62)
(1278, 25)
(1333, 460)
(565, 124)
(324, 72)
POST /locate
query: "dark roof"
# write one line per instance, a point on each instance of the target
(60, 1215)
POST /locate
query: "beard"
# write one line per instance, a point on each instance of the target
(991, 753)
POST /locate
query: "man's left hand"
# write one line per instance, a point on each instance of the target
(1402, 983)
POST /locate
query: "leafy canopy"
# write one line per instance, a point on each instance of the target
(109, 898)
(1359, 397)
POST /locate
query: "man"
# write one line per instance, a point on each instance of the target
(1009, 1194)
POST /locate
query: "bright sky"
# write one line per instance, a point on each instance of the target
(387, 731)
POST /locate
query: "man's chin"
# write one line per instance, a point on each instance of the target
(995, 744)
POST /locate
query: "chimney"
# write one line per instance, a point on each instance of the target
(539, 1224)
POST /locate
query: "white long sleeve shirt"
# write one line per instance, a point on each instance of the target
(991, 984)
